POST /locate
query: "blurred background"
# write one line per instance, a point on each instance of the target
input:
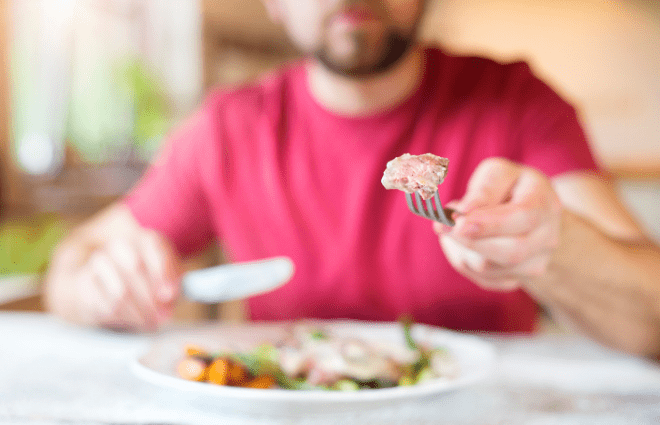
(89, 89)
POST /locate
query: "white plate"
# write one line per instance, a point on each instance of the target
(158, 366)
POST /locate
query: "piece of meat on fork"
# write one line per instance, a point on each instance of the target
(420, 175)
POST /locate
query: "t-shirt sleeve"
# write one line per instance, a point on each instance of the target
(550, 136)
(170, 197)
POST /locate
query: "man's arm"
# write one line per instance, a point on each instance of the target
(112, 272)
(604, 275)
(569, 243)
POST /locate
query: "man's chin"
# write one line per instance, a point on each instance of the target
(343, 68)
(397, 48)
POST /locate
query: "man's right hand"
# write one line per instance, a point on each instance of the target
(112, 272)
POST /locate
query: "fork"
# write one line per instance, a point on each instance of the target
(431, 208)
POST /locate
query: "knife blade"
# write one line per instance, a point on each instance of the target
(233, 281)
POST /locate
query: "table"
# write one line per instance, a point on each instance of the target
(56, 373)
(18, 287)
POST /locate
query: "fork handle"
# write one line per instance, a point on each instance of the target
(448, 215)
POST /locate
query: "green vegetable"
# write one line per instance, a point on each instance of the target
(423, 363)
(377, 383)
(289, 383)
(266, 352)
(346, 385)
(319, 334)
(406, 322)
(424, 375)
(263, 360)
(255, 364)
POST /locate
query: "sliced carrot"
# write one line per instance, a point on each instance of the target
(192, 369)
(237, 375)
(218, 371)
(195, 350)
(261, 382)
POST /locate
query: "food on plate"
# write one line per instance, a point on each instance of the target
(416, 173)
(312, 357)
(193, 368)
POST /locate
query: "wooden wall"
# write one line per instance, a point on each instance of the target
(10, 184)
(603, 56)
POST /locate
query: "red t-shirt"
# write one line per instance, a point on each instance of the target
(268, 171)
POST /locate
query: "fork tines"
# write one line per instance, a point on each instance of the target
(431, 208)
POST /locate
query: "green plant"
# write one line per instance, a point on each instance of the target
(26, 244)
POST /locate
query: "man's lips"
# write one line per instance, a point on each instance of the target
(355, 16)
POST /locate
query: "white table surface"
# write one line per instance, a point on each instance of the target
(55, 373)
(17, 287)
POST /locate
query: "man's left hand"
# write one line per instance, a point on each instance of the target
(507, 227)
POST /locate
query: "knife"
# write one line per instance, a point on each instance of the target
(236, 280)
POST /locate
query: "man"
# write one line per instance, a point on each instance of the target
(291, 165)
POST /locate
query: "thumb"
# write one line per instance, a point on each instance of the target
(490, 184)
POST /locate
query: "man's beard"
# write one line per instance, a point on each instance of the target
(396, 47)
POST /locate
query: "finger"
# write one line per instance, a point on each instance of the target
(531, 185)
(126, 316)
(131, 268)
(491, 284)
(529, 200)
(111, 313)
(452, 250)
(533, 201)
(441, 229)
(94, 303)
(119, 293)
(458, 255)
(490, 184)
(103, 307)
(512, 250)
(533, 267)
(106, 277)
(160, 262)
(500, 220)
(465, 264)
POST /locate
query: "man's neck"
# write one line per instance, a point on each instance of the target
(361, 96)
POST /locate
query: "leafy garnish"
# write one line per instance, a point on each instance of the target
(406, 322)
(421, 368)
(262, 361)
(319, 334)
